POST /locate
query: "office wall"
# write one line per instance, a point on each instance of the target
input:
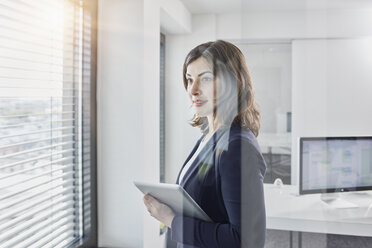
(254, 26)
(168, 16)
(330, 23)
(128, 114)
(120, 122)
(331, 88)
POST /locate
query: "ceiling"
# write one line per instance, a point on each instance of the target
(229, 6)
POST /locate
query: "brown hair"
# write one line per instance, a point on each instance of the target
(234, 96)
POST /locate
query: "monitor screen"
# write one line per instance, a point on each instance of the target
(335, 164)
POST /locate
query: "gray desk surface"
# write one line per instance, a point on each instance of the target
(287, 211)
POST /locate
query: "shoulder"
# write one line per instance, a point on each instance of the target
(236, 140)
(240, 136)
(242, 149)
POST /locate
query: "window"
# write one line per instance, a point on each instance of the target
(47, 123)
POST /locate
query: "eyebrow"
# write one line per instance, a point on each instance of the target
(200, 74)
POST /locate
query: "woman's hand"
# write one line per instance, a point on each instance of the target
(158, 210)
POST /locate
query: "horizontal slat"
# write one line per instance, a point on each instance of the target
(10, 70)
(37, 149)
(43, 215)
(11, 203)
(40, 114)
(38, 97)
(23, 62)
(22, 52)
(87, 192)
(86, 173)
(35, 158)
(44, 226)
(35, 9)
(86, 176)
(86, 208)
(53, 139)
(66, 239)
(87, 199)
(20, 12)
(38, 37)
(86, 159)
(23, 124)
(49, 172)
(87, 213)
(36, 132)
(54, 239)
(37, 75)
(51, 62)
(10, 35)
(25, 50)
(29, 218)
(37, 141)
(54, 162)
(44, 6)
(15, 211)
(16, 33)
(18, 192)
(30, 72)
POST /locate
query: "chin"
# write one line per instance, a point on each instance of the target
(202, 113)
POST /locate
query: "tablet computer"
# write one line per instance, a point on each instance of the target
(175, 197)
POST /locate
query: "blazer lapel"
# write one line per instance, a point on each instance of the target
(209, 146)
(189, 157)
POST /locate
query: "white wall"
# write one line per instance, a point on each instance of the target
(306, 24)
(120, 122)
(253, 26)
(128, 114)
(332, 89)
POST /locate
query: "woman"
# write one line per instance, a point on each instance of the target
(224, 172)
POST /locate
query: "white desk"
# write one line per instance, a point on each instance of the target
(307, 213)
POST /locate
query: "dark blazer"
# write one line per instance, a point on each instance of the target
(226, 180)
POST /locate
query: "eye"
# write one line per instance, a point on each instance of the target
(207, 79)
(189, 80)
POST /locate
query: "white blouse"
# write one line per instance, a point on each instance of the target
(189, 163)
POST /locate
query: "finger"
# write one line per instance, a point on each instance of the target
(147, 202)
(149, 198)
(153, 201)
(147, 205)
(149, 208)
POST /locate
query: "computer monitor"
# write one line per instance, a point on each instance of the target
(335, 164)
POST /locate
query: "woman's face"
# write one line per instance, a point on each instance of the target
(200, 87)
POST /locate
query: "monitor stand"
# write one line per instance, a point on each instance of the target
(334, 200)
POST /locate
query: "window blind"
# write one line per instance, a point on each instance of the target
(45, 123)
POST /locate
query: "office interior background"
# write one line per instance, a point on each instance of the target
(91, 99)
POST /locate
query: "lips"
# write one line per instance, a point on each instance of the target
(199, 103)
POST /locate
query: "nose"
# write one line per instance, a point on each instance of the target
(195, 89)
